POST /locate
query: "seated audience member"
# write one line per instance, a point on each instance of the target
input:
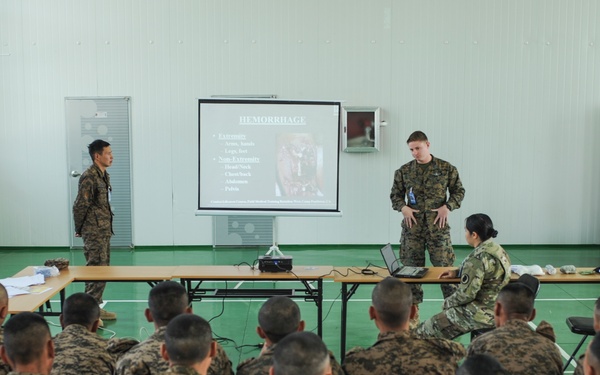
(278, 317)
(189, 345)
(4, 369)
(579, 368)
(166, 300)
(78, 349)
(397, 349)
(482, 274)
(301, 353)
(481, 364)
(513, 343)
(28, 347)
(591, 362)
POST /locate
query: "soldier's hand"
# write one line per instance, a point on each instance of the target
(450, 274)
(409, 216)
(77, 234)
(442, 216)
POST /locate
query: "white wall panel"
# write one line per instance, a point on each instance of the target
(509, 92)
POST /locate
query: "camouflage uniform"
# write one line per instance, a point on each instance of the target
(261, 365)
(93, 220)
(22, 373)
(79, 351)
(405, 353)
(482, 274)
(4, 368)
(145, 358)
(429, 184)
(521, 350)
(181, 370)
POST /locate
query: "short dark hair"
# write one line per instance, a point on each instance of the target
(481, 364)
(25, 336)
(392, 299)
(417, 136)
(278, 317)
(593, 352)
(80, 308)
(3, 296)
(97, 147)
(166, 300)
(300, 353)
(482, 225)
(188, 338)
(517, 298)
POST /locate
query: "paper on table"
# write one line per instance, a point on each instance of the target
(20, 282)
(12, 291)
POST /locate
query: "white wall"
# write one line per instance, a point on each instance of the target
(509, 92)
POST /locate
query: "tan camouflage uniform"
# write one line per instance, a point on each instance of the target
(521, 350)
(405, 353)
(483, 273)
(4, 368)
(429, 184)
(93, 220)
(145, 358)
(79, 351)
(181, 370)
(261, 364)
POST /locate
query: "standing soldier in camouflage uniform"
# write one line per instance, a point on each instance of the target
(165, 301)
(419, 192)
(398, 350)
(188, 346)
(93, 216)
(513, 343)
(4, 369)
(78, 349)
(482, 274)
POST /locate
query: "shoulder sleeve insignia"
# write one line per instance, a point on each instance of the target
(464, 279)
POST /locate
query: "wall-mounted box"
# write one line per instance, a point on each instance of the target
(360, 129)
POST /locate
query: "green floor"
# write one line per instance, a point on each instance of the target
(234, 321)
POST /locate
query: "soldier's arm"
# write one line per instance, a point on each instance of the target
(83, 201)
(456, 190)
(398, 193)
(470, 284)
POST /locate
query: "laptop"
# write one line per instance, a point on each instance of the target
(397, 269)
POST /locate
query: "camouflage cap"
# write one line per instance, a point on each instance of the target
(60, 263)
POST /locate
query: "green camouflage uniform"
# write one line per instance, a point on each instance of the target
(483, 273)
(93, 220)
(405, 353)
(79, 351)
(145, 358)
(261, 365)
(181, 370)
(429, 185)
(4, 368)
(521, 350)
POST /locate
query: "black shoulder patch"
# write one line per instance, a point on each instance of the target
(464, 279)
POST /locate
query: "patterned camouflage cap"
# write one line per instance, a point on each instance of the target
(60, 263)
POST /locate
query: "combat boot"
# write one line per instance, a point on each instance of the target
(107, 315)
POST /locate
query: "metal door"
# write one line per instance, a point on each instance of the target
(107, 118)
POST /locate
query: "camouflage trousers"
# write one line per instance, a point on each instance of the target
(450, 323)
(426, 236)
(96, 249)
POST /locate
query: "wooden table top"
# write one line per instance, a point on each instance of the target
(245, 272)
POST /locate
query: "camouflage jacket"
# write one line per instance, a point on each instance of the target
(91, 211)
(4, 368)
(405, 353)
(261, 364)
(521, 350)
(482, 274)
(429, 186)
(181, 370)
(22, 373)
(79, 351)
(145, 358)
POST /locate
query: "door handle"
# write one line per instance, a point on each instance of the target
(75, 174)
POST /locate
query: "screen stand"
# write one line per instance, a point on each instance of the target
(274, 249)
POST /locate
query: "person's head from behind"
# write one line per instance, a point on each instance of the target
(514, 301)
(591, 362)
(597, 316)
(28, 344)
(189, 342)
(166, 300)
(278, 317)
(301, 353)
(100, 153)
(82, 309)
(3, 303)
(418, 144)
(392, 305)
(479, 228)
(481, 364)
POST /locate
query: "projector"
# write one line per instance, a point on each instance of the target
(274, 264)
